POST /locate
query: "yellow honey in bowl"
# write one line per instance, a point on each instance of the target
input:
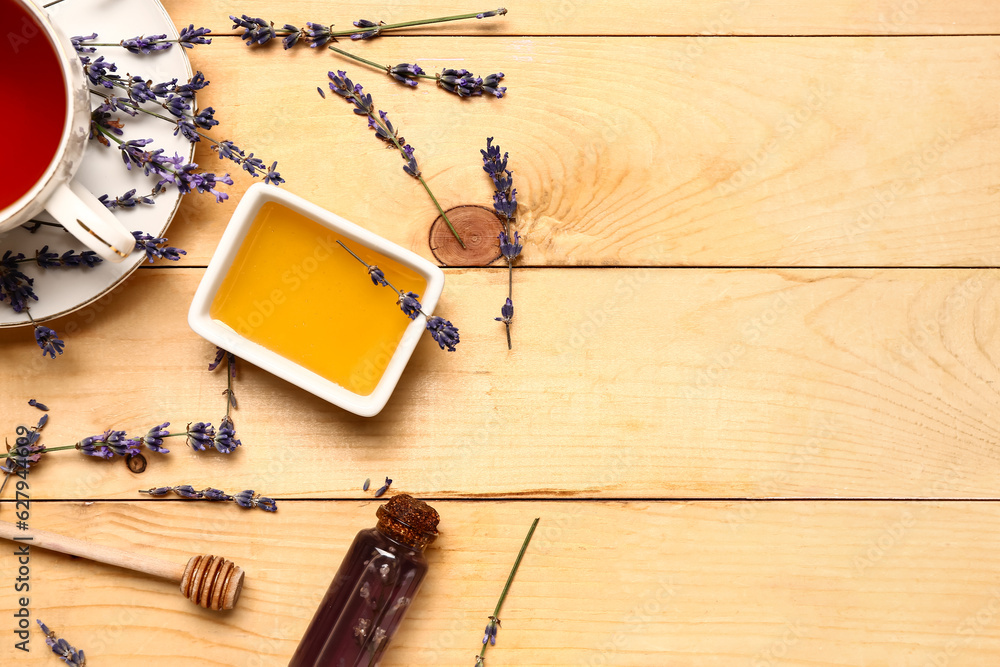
(293, 290)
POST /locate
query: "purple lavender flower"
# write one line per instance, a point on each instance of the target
(62, 648)
(191, 36)
(443, 332)
(146, 45)
(462, 82)
(15, 286)
(46, 259)
(372, 29)
(273, 176)
(409, 304)
(225, 440)
(496, 12)
(35, 404)
(215, 494)
(510, 248)
(507, 312)
(492, 87)
(154, 438)
(79, 45)
(406, 73)
(164, 88)
(293, 36)
(318, 34)
(505, 203)
(187, 491)
(200, 436)
(127, 200)
(49, 341)
(248, 499)
(255, 30)
(194, 84)
(101, 122)
(158, 491)
(491, 631)
(382, 489)
(94, 446)
(120, 444)
(156, 248)
(377, 276)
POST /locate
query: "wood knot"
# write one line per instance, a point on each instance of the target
(479, 228)
(212, 582)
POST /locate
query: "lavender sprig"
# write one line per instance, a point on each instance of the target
(444, 333)
(156, 248)
(461, 82)
(62, 648)
(128, 200)
(384, 130)
(188, 125)
(258, 31)
(146, 44)
(490, 636)
(505, 205)
(27, 450)
(224, 439)
(245, 499)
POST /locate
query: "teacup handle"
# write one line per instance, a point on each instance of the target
(86, 218)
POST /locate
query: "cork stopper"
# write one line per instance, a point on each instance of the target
(409, 521)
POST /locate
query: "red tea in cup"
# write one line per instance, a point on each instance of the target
(34, 94)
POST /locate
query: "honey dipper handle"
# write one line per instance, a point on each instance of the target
(91, 551)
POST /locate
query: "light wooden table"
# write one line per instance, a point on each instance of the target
(753, 388)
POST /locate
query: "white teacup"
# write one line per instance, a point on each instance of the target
(43, 64)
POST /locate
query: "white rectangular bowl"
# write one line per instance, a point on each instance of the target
(228, 339)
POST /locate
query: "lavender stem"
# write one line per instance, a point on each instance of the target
(409, 24)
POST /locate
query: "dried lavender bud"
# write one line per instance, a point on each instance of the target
(94, 446)
(368, 481)
(35, 404)
(191, 36)
(62, 648)
(443, 332)
(318, 34)
(78, 43)
(321, 93)
(154, 438)
(377, 276)
(187, 491)
(215, 494)
(146, 45)
(225, 440)
(248, 500)
(293, 36)
(409, 304)
(200, 436)
(366, 34)
(158, 491)
(406, 73)
(49, 341)
(382, 489)
(127, 200)
(119, 443)
(156, 248)
(507, 312)
(15, 286)
(510, 249)
(491, 85)
(255, 30)
(491, 631)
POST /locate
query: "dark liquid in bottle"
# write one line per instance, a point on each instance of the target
(364, 605)
(34, 97)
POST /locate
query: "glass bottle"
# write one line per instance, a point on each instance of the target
(372, 590)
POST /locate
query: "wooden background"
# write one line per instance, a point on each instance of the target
(753, 386)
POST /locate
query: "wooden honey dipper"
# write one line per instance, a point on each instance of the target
(211, 582)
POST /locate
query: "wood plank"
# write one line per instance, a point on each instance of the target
(797, 584)
(622, 383)
(763, 152)
(635, 17)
